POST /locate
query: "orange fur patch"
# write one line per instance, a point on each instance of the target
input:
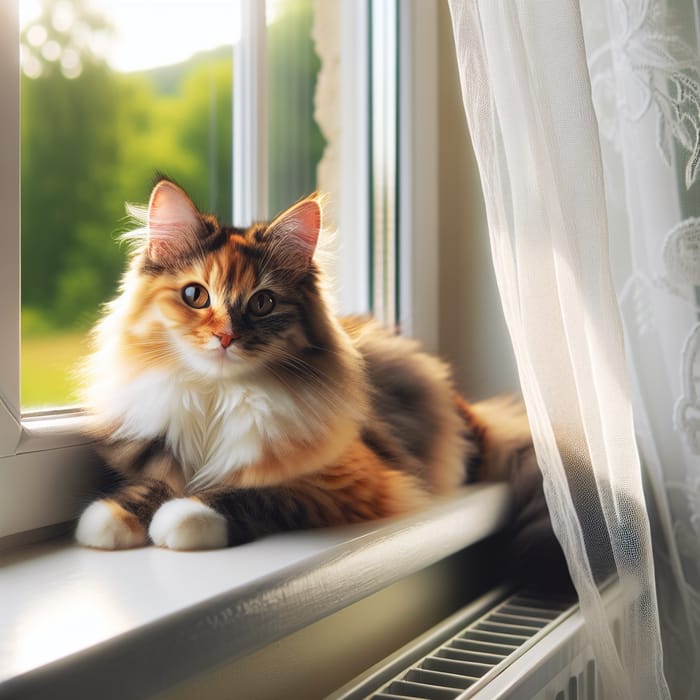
(292, 460)
(503, 425)
(126, 518)
(365, 488)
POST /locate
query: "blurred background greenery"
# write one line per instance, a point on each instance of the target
(93, 138)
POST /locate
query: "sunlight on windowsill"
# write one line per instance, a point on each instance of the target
(146, 598)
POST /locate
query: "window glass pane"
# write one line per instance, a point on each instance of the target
(112, 91)
(295, 141)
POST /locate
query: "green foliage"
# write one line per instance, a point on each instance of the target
(34, 323)
(69, 147)
(205, 130)
(48, 363)
(296, 142)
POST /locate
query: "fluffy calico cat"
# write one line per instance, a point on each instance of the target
(234, 404)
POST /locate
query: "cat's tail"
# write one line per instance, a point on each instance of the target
(499, 430)
(501, 427)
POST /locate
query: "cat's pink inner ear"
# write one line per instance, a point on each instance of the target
(301, 225)
(173, 221)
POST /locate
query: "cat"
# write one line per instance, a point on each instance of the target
(233, 403)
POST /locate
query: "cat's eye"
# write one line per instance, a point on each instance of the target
(261, 303)
(196, 296)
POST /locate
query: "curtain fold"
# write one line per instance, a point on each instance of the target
(585, 121)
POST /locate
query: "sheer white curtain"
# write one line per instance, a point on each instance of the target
(585, 120)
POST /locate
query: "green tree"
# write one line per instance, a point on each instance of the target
(206, 135)
(296, 143)
(69, 109)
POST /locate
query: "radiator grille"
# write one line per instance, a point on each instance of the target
(464, 663)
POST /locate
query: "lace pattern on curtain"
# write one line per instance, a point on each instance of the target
(646, 76)
(528, 72)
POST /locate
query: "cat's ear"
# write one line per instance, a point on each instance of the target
(296, 230)
(174, 223)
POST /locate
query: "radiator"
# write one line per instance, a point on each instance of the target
(506, 646)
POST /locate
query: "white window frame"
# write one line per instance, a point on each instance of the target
(45, 466)
(352, 266)
(250, 123)
(418, 211)
(10, 428)
(405, 245)
(47, 470)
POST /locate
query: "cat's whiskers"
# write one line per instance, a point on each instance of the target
(296, 364)
(150, 349)
(286, 354)
(302, 371)
(310, 407)
(321, 381)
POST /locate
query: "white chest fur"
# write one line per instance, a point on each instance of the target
(212, 429)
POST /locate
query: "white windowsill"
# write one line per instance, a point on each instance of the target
(84, 623)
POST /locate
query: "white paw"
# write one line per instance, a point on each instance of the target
(186, 523)
(101, 526)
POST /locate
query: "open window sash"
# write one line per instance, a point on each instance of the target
(10, 425)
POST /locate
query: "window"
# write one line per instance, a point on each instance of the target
(291, 133)
(126, 101)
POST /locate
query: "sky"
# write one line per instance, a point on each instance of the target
(155, 32)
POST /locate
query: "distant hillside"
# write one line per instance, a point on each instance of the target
(167, 79)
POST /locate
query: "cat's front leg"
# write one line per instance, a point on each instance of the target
(152, 477)
(224, 516)
(121, 520)
(362, 487)
(187, 524)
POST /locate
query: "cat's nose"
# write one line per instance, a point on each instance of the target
(226, 339)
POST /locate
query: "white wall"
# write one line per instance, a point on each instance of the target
(472, 330)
